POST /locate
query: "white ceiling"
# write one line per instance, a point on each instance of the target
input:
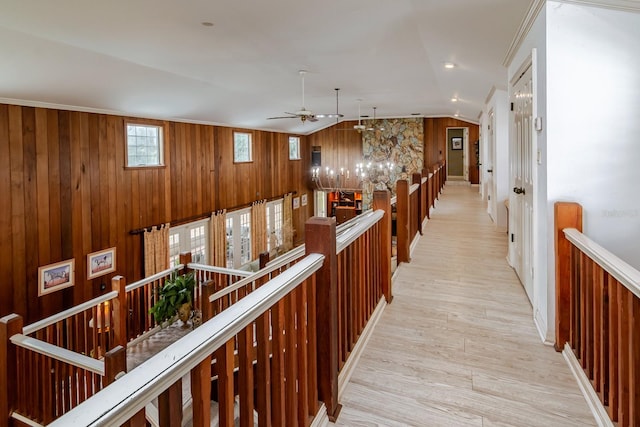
(154, 58)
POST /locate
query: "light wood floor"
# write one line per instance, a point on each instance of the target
(457, 346)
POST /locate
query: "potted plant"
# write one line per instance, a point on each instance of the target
(174, 298)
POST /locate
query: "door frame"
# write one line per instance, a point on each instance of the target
(465, 150)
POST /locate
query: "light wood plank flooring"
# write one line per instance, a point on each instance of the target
(457, 346)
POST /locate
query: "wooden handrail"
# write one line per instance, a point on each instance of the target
(120, 401)
(222, 270)
(36, 326)
(140, 283)
(364, 223)
(627, 275)
(413, 188)
(59, 353)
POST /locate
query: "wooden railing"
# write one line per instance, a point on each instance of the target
(598, 319)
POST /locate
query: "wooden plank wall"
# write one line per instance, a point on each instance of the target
(435, 137)
(66, 193)
(341, 147)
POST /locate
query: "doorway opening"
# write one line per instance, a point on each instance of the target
(458, 154)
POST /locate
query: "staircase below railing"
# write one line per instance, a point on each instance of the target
(598, 320)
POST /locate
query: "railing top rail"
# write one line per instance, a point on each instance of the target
(394, 200)
(425, 179)
(430, 174)
(121, 400)
(292, 255)
(59, 353)
(366, 222)
(36, 326)
(413, 188)
(135, 285)
(619, 269)
(223, 270)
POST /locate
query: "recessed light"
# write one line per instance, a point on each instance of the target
(456, 115)
(454, 99)
(207, 24)
(449, 65)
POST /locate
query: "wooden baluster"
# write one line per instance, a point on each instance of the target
(583, 311)
(634, 368)
(416, 178)
(402, 221)
(263, 371)
(382, 201)
(277, 364)
(201, 392)
(614, 339)
(245, 375)
(589, 316)
(624, 356)
(598, 330)
(170, 406)
(321, 238)
(9, 325)
(566, 215)
(291, 358)
(575, 293)
(312, 345)
(300, 308)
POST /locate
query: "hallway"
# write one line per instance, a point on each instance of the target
(457, 346)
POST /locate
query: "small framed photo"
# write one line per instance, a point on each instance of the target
(456, 143)
(53, 277)
(303, 199)
(101, 263)
(296, 202)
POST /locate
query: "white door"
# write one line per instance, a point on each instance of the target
(521, 198)
(489, 162)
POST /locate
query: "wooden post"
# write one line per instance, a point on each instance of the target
(201, 393)
(9, 326)
(321, 239)
(264, 259)
(382, 200)
(120, 312)
(115, 361)
(208, 289)
(185, 258)
(427, 195)
(416, 178)
(402, 221)
(170, 406)
(567, 215)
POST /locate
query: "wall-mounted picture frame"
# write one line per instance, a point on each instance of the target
(303, 199)
(296, 202)
(456, 143)
(101, 262)
(54, 277)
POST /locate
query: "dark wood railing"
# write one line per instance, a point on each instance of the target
(598, 318)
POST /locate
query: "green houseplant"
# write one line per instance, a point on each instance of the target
(175, 297)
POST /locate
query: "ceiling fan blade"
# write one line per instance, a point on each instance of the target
(282, 117)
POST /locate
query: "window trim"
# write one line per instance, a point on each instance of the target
(250, 134)
(298, 150)
(161, 139)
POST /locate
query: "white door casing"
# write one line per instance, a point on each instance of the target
(490, 161)
(521, 166)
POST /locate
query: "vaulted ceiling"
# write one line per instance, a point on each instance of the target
(155, 58)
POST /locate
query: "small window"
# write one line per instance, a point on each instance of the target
(144, 145)
(294, 148)
(241, 147)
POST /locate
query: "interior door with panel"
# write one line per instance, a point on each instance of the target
(521, 198)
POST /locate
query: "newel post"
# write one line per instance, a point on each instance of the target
(120, 311)
(320, 238)
(115, 362)
(185, 259)
(567, 215)
(208, 289)
(9, 326)
(382, 201)
(403, 216)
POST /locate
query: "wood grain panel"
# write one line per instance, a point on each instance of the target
(435, 138)
(68, 193)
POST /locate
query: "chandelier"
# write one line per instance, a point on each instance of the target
(379, 175)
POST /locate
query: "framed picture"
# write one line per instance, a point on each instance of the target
(53, 277)
(101, 263)
(296, 202)
(303, 199)
(456, 143)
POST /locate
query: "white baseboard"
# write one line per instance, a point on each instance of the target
(321, 419)
(597, 409)
(541, 326)
(352, 361)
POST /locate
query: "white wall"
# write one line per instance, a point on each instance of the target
(499, 103)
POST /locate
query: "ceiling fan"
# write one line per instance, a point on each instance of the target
(359, 127)
(305, 115)
(374, 124)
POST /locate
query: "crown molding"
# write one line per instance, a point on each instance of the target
(536, 6)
